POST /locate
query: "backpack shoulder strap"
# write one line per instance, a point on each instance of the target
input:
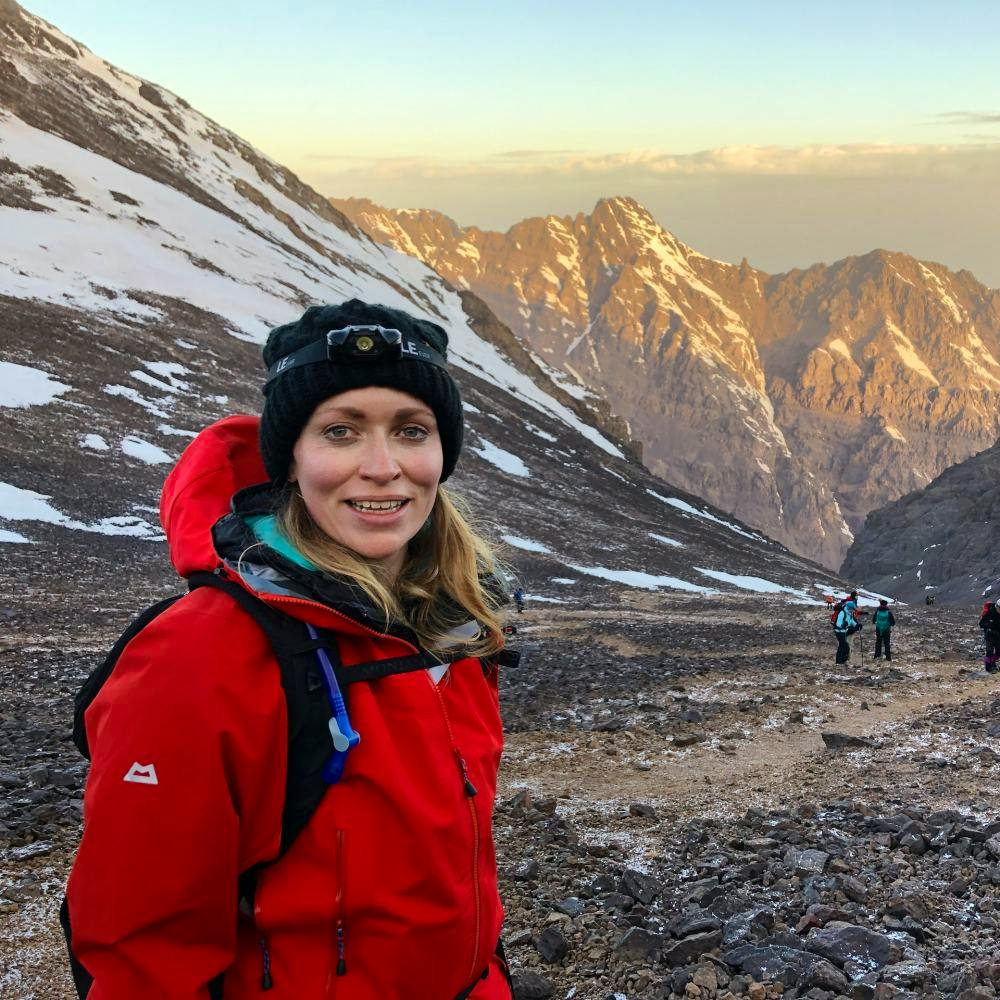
(307, 707)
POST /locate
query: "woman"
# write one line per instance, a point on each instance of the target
(389, 890)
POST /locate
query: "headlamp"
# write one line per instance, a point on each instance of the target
(357, 344)
(363, 343)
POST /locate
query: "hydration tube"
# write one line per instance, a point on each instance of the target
(344, 737)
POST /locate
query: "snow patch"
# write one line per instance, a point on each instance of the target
(688, 509)
(644, 581)
(544, 435)
(505, 461)
(135, 447)
(665, 540)
(754, 583)
(18, 504)
(22, 386)
(176, 431)
(841, 348)
(13, 538)
(527, 544)
(908, 354)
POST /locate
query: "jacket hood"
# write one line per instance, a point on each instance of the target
(223, 459)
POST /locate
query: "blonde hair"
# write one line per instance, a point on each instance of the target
(439, 587)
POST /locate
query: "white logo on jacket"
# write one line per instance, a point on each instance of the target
(142, 774)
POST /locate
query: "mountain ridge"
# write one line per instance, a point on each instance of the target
(826, 389)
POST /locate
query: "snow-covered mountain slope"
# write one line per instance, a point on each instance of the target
(145, 252)
(798, 401)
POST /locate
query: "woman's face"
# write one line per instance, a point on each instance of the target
(368, 464)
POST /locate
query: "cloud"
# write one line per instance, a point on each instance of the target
(534, 154)
(831, 161)
(966, 118)
(356, 157)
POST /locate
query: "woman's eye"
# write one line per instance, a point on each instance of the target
(338, 432)
(414, 433)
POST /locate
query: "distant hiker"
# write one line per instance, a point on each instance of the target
(846, 624)
(990, 624)
(884, 620)
(929, 599)
(325, 521)
(519, 599)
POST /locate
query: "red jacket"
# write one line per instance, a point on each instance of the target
(397, 861)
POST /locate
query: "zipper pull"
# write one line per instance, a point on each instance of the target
(470, 788)
(265, 980)
(341, 962)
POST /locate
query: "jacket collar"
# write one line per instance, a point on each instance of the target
(267, 570)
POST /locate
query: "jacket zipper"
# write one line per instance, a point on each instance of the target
(470, 792)
(266, 982)
(340, 930)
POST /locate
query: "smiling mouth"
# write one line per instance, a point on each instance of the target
(377, 506)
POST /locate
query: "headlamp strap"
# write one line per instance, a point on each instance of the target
(385, 344)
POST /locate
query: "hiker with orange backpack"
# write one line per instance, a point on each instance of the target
(326, 830)
(845, 620)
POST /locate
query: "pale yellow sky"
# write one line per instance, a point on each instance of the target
(785, 132)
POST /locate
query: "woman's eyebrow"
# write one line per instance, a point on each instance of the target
(346, 411)
(353, 413)
(414, 411)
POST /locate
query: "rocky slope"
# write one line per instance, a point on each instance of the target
(942, 540)
(798, 401)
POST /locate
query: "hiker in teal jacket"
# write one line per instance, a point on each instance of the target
(883, 620)
(846, 624)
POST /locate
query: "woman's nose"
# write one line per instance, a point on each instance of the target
(378, 462)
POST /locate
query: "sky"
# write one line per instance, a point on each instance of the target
(783, 132)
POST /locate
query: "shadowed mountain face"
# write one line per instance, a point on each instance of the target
(942, 540)
(797, 401)
(146, 251)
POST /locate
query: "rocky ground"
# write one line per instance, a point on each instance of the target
(696, 802)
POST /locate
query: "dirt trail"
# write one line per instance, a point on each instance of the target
(601, 767)
(758, 712)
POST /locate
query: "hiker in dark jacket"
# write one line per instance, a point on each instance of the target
(884, 620)
(990, 624)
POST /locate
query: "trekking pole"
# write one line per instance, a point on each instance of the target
(861, 646)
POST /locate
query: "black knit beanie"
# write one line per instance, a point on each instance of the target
(289, 400)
